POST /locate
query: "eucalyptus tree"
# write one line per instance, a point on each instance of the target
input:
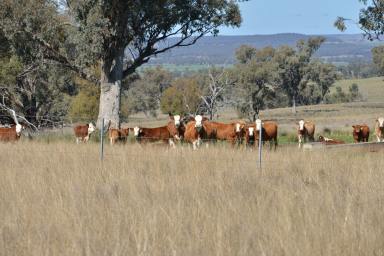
(292, 67)
(371, 19)
(254, 89)
(119, 35)
(378, 58)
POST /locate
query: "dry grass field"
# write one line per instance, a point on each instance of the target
(59, 199)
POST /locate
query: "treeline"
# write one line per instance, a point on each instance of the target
(261, 78)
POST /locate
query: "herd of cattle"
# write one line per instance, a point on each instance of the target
(198, 129)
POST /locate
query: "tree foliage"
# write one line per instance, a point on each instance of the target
(378, 58)
(371, 20)
(119, 35)
(183, 97)
(254, 87)
(84, 106)
(144, 94)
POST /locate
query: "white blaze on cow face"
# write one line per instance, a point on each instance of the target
(238, 127)
(301, 125)
(251, 130)
(381, 122)
(136, 131)
(177, 120)
(91, 128)
(18, 128)
(198, 120)
(258, 124)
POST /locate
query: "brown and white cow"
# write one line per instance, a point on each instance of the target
(329, 141)
(168, 134)
(379, 129)
(118, 135)
(268, 130)
(196, 131)
(83, 132)
(12, 133)
(305, 131)
(360, 133)
(232, 132)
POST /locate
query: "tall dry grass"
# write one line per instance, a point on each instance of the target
(59, 199)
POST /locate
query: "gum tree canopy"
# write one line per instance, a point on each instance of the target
(371, 19)
(117, 35)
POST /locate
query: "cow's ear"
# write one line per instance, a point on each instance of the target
(353, 126)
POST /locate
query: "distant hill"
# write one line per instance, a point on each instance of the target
(339, 48)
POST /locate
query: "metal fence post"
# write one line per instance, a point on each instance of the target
(260, 143)
(102, 140)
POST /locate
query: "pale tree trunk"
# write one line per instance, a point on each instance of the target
(110, 93)
(294, 105)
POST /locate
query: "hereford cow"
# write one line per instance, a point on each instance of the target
(379, 129)
(360, 133)
(305, 131)
(269, 133)
(196, 131)
(168, 134)
(12, 133)
(118, 135)
(83, 132)
(232, 132)
(329, 141)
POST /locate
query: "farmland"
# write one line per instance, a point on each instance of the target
(59, 199)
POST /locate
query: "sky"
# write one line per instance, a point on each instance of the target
(294, 16)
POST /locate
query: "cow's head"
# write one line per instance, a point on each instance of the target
(198, 121)
(176, 119)
(251, 131)
(357, 129)
(239, 127)
(18, 128)
(91, 128)
(380, 121)
(258, 124)
(301, 125)
(136, 131)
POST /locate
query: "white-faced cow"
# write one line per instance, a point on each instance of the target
(12, 133)
(305, 131)
(83, 132)
(168, 134)
(329, 141)
(268, 131)
(379, 129)
(195, 131)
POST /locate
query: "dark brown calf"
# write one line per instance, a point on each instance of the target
(360, 133)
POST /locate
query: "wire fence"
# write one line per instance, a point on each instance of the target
(58, 130)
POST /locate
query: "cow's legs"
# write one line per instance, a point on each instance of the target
(194, 144)
(300, 137)
(171, 143)
(77, 140)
